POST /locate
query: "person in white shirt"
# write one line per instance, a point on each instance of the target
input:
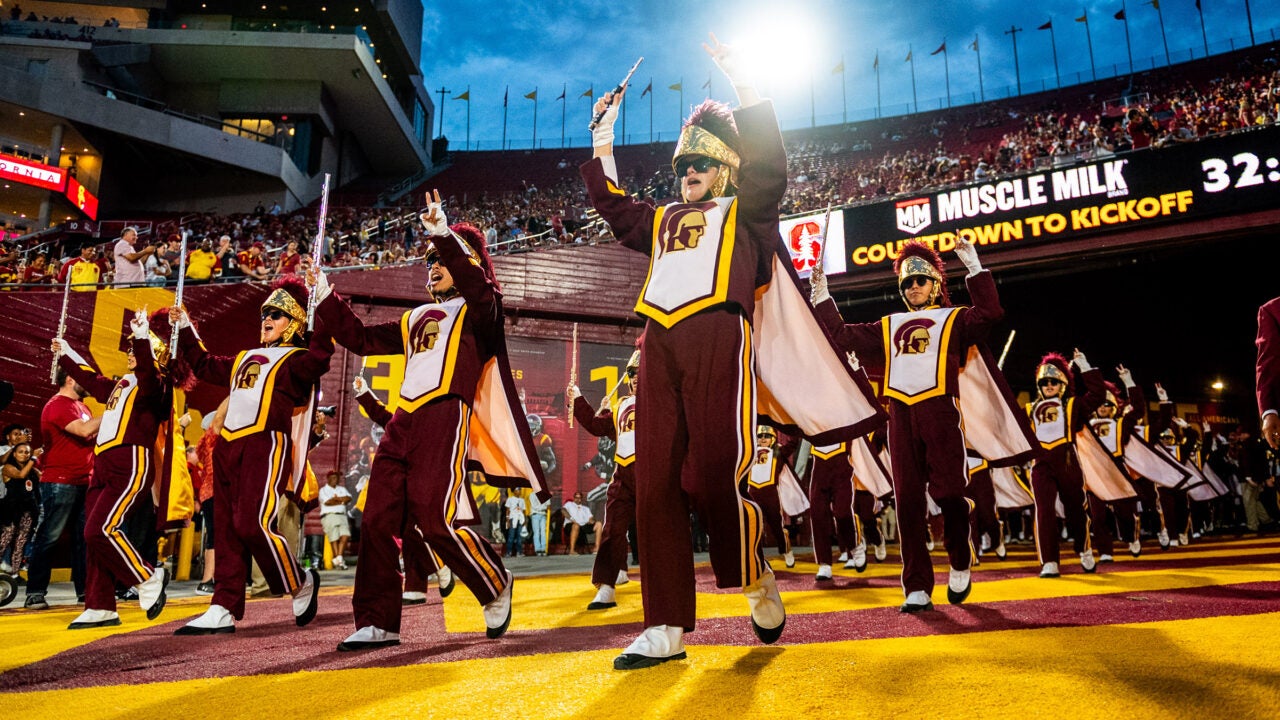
(515, 524)
(128, 260)
(333, 517)
(538, 523)
(579, 516)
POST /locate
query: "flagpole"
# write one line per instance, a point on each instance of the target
(946, 68)
(505, 93)
(1093, 68)
(1017, 73)
(1160, 16)
(535, 117)
(564, 103)
(1053, 42)
(879, 108)
(623, 140)
(468, 117)
(844, 92)
(982, 94)
(911, 58)
(1248, 16)
(1124, 17)
(1203, 35)
(651, 94)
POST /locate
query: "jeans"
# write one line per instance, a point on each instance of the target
(515, 545)
(60, 503)
(538, 522)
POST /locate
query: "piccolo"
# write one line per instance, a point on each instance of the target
(573, 368)
(596, 120)
(317, 249)
(177, 293)
(62, 327)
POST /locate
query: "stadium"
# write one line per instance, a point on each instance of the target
(1117, 210)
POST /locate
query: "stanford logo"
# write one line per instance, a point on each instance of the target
(805, 242)
(912, 338)
(913, 215)
(683, 227)
(425, 332)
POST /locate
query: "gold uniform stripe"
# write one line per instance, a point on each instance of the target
(749, 522)
(114, 519)
(940, 382)
(268, 389)
(276, 469)
(466, 538)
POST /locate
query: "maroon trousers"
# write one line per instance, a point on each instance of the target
(417, 478)
(695, 441)
(1175, 511)
(1057, 474)
(985, 518)
(121, 483)
(926, 449)
(866, 529)
(619, 513)
(419, 562)
(1126, 511)
(251, 475)
(767, 498)
(831, 506)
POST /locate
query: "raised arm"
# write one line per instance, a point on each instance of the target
(464, 263)
(144, 363)
(1137, 403)
(213, 369)
(342, 324)
(99, 386)
(1095, 391)
(373, 407)
(630, 219)
(597, 424)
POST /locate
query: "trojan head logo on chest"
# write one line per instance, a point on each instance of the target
(249, 371)
(1048, 412)
(627, 418)
(117, 393)
(425, 332)
(912, 338)
(1104, 429)
(683, 227)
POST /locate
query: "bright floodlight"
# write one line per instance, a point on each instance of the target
(1217, 385)
(780, 45)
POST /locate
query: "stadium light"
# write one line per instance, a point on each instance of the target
(780, 46)
(1218, 385)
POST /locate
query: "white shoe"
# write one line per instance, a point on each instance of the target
(824, 573)
(1049, 570)
(623, 579)
(881, 551)
(306, 599)
(1135, 548)
(367, 638)
(768, 616)
(1163, 538)
(929, 545)
(215, 621)
(95, 619)
(604, 599)
(151, 595)
(411, 597)
(445, 579)
(1173, 542)
(917, 601)
(657, 644)
(958, 586)
(1087, 562)
(844, 557)
(858, 558)
(1105, 558)
(789, 559)
(497, 614)
(340, 563)
(1184, 538)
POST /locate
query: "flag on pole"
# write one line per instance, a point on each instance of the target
(1120, 14)
(532, 96)
(706, 85)
(1083, 18)
(562, 92)
(974, 45)
(838, 68)
(677, 87)
(1046, 26)
(464, 96)
(504, 96)
(647, 89)
(1156, 4)
(876, 65)
(590, 92)
(941, 48)
(908, 57)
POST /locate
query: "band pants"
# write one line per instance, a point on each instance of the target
(419, 562)
(619, 513)
(120, 485)
(1057, 474)
(766, 496)
(986, 517)
(865, 529)
(831, 506)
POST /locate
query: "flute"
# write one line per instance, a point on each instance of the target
(62, 327)
(596, 120)
(573, 368)
(1003, 353)
(317, 249)
(177, 294)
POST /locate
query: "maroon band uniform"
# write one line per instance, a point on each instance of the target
(618, 423)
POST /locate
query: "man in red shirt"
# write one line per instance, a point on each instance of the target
(69, 430)
(251, 263)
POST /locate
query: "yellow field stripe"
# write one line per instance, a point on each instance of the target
(1136, 670)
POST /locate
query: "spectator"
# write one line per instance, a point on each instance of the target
(226, 258)
(538, 523)
(579, 516)
(289, 259)
(19, 506)
(83, 271)
(70, 429)
(202, 262)
(129, 260)
(515, 523)
(37, 273)
(275, 208)
(156, 268)
(251, 264)
(333, 516)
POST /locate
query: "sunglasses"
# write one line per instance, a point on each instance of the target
(1050, 381)
(700, 164)
(273, 314)
(915, 280)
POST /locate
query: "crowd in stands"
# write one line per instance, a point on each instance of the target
(837, 165)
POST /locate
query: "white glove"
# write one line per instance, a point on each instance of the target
(1081, 361)
(359, 385)
(320, 284)
(1126, 377)
(57, 347)
(434, 220)
(1161, 395)
(818, 285)
(968, 255)
(1181, 423)
(729, 61)
(572, 393)
(140, 325)
(602, 135)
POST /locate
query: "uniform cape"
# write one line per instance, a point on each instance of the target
(791, 498)
(1011, 492)
(1104, 474)
(798, 390)
(1212, 485)
(994, 425)
(870, 469)
(1152, 464)
(304, 488)
(174, 493)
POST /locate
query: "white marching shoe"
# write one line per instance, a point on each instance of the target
(368, 638)
(497, 614)
(215, 621)
(959, 585)
(844, 557)
(790, 559)
(1088, 562)
(881, 551)
(604, 599)
(623, 578)
(151, 592)
(306, 599)
(1049, 570)
(1135, 548)
(768, 616)
(412, 597)
(656, 645)
(444, 576)
(95, 619)
(917, 601)
(858, 558)
(824, 574)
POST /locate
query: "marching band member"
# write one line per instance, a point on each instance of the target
(922, 353)
(1113, 424)
(762, 487)
(260, 459)
(457, 411)
(831, 506)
